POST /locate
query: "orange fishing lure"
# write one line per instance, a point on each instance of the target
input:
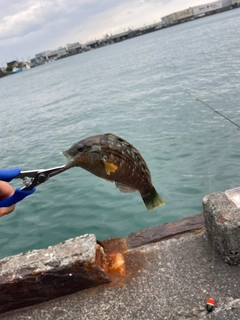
(210, 305)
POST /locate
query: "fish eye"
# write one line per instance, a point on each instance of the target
(81, 148)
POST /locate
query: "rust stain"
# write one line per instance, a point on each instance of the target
(114, 245)
(200, 230)
(116, 265)
(119, 263)
(124, 268)
(221, 219)
(122, 264)
(114, 262)
(100, 258)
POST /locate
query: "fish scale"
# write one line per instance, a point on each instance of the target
(122, 157)
(131, 167)
(133, 153)
(114, 159)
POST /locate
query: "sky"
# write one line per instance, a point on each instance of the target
(28, 27)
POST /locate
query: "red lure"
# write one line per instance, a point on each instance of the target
(210, 305)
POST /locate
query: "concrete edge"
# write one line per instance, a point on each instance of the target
(165, 231)
(77, 264)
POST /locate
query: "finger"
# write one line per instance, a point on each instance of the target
(6, 190)
(4, 211)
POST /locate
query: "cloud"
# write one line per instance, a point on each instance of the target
(128, 14)
(28, 26)
(32, 15)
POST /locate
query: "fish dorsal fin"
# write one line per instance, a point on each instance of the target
(111, 135)
(109, 167)
(124, 188)
(115, 137)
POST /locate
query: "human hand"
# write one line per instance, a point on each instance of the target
(6, 191)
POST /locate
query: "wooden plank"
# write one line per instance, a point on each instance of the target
(41, 275)
(164, 231)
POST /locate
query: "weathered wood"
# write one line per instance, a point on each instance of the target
(41, 275)
(164, 231)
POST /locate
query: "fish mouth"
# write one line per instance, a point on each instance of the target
(67, 155)
(69, 158)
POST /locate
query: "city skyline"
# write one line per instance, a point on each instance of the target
(28, 28)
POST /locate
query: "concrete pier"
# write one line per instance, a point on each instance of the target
(222, 218)
(40, 275)
(165, 272)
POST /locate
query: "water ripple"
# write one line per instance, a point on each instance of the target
(136, 89)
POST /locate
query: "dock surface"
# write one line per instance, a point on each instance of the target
(170, 279)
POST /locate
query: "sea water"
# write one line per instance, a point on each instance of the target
(136, 89)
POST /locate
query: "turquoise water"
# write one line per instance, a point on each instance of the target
(135, 89)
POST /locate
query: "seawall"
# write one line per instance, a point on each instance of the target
(164, 272)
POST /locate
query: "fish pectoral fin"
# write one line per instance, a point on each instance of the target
(124, 188)
(110, 167)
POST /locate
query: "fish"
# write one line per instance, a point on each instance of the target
(112, 158)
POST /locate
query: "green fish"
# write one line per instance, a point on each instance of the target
(114, 159)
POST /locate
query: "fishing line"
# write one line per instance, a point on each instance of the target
(212, 272)
(216, 111)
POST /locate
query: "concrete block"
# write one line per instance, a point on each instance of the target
(222, 220)
(40, 275)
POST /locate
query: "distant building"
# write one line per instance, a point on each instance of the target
(33, 62)
(40, 57)
(161, 25)
(52, 55)
(24, 65)
(145, 29)
(198, 11)
(3, 72)
(73, 48)
(12, 64)
(56, 54)
(105, 40)
(92, 44)
(183, 14)
(62, 52)
(226, 3)
(179, 16)
(169, 20)
(235, 3)
(208, 7)
(123, 35)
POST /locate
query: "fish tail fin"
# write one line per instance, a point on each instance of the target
(152, 199)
